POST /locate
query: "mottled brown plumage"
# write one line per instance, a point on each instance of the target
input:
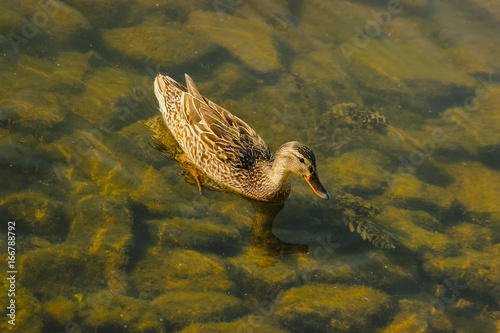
(229, 151)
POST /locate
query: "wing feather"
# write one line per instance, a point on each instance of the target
(224, 135)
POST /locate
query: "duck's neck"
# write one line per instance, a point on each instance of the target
(276, 180)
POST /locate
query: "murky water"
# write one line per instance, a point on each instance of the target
(109, 237)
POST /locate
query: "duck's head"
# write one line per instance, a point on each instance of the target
(298, 158)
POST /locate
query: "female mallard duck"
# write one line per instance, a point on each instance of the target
(228, 150)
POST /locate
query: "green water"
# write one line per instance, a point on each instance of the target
(109, 237)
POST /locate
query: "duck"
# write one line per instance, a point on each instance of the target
(228, 150)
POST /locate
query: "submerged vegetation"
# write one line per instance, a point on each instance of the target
(403, 119)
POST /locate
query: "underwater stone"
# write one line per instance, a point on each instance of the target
(116, 312)
(405, 189)
(360, 171)
(163, 271)
(66, 71)
(261, 275)
(252, 323)
(414, 80)
(55, 19)
(104, 13)
(34, 212)
(69, 68)
(417, 316)
(331, 308)
(29, 312)
(478, 271)
(60, 270)
(317, 17)
(193, 233)
(476, 186)
(467, 31)
(471, 123)
(103, 228)
(404, 224)
(97, 101)
(181, 308)
(148, 43)
(321, 72)
(156, 192)
(250, 40)
(60, 309)
(276, 13)
(10, 20)
(228, 81)
(372, 268)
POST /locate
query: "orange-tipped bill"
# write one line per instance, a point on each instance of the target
(316, 185)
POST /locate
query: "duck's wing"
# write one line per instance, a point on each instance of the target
(223, 135)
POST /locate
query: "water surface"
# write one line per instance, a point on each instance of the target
(110, 237)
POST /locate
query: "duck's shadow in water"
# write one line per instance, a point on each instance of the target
(262, 236)
(264, 242)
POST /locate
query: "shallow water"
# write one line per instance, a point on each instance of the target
(109, 237)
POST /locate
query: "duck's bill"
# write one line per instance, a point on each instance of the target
(316, 185)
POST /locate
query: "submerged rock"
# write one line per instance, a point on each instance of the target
(104, 13)
(417, 316)
(470, 124)
(10, 21)
(60, 310)
(478, 271)
(373, 268)
(245, 324)
(164, 271)
(158, 45)
(261, 275)
(60, 270)
(193, 233)
(97, 101)
(229, 80)
(118, 312)
(477, 187)
(407, 227)
(405, 189)
(36, 213)
(103, 228)
(181, 308)
(359, 172)
(28, 311)
(55, 18)
(331, 308)
(250, 40)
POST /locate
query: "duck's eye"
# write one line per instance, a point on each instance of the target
(301, 160)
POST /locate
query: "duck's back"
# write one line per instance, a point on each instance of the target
(217, 142)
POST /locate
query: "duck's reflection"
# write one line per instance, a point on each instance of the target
(262, 236)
